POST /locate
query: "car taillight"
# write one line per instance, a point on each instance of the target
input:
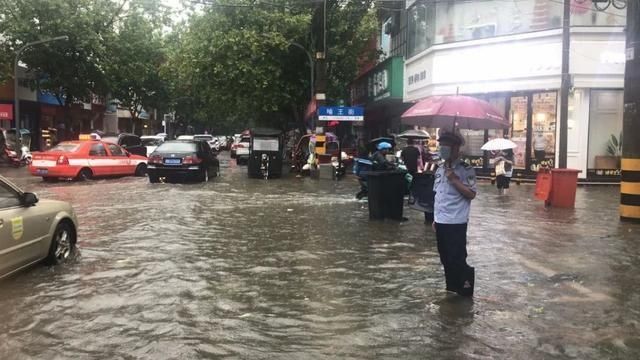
(62, 160)
(155, 159)
(191, 160)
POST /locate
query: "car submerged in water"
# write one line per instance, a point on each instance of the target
(33, 230)
(183, 160)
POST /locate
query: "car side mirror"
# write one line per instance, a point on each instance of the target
(29, 199)
(128, 153)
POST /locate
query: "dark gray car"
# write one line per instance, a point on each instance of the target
(183, 160)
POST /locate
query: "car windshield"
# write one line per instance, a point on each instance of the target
(245, 140)
(151, 142)
(65, 147)
(177, 146)
(203, 137)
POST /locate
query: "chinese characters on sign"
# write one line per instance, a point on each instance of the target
(340, 113)
(6, 112)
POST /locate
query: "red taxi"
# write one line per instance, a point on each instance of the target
(86, 159)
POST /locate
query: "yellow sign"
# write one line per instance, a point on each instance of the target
(17, 228)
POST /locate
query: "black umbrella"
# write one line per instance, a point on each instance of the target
(415, 134)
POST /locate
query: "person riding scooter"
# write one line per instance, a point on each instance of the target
(379, 158)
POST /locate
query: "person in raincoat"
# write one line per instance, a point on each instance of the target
(455, 187)
(379, 158)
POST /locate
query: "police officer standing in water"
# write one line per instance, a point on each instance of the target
(455, 187)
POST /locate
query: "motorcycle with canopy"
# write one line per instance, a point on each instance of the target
(266, 149)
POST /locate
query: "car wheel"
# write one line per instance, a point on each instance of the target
(62, 244)
(141, 170)
(85, 174)
(154, 179)
(204, 175)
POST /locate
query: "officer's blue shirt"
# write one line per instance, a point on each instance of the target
(451, 207)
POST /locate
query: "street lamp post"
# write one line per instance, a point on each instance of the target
(310, 66)
(16, 99)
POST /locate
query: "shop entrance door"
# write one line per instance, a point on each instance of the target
(544, 118)
(519, 118)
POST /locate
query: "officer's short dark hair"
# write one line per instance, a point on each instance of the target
(451, 137)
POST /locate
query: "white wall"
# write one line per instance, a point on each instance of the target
(578, 131)
(520, 62)
(510, 63)
(605, 120)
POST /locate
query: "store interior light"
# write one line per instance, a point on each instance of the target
(541, 117)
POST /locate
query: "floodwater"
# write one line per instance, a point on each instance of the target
(293, 269)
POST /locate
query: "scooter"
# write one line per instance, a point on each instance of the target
(25, 158)
(360, 167)
(12, 157)
(339, 170)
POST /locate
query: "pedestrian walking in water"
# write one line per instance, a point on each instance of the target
(455, 187)
(504, 170)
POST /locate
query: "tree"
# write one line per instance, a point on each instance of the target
(71, 70)
(236, 62)
(136, 53)
(351, 26)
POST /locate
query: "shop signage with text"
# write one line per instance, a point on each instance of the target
(6, 112)
(340, 113)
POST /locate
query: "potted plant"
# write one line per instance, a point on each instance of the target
(614, 151)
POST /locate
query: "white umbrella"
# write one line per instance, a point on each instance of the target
(499, 144)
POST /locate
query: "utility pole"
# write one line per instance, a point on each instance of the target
(320, 32)
(565, 85)
(630, 184)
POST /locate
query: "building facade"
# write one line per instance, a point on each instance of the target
(510, 54)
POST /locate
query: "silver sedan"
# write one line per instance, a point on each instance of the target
(33, 230)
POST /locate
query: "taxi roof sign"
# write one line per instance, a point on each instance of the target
(87, 137)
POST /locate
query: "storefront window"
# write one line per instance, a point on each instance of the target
(544, 130)
(605, 130)
(421, 27)
(474, 139)
(385, 39)
(586, 13)
(518, 117)
(467, 20)
(440, 22)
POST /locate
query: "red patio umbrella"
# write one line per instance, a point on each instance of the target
(460, 112)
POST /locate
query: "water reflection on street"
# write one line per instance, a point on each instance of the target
(292, 268)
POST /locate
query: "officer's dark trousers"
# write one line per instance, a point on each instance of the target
(452, 246)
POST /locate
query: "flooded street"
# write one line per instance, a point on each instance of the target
(293, 269)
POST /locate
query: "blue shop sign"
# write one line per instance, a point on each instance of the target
(340, 113)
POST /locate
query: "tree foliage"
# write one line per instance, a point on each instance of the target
(136, 53)
(72, 69)
(231, 66)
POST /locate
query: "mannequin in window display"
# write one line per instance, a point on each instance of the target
(539, 146)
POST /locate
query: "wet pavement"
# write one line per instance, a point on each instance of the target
(293, 269)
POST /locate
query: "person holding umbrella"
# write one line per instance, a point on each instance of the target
(455, 187)
(504, 170)
(503, 161)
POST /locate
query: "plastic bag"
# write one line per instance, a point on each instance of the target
(500, 168)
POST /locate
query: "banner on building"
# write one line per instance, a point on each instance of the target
(6, 112)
